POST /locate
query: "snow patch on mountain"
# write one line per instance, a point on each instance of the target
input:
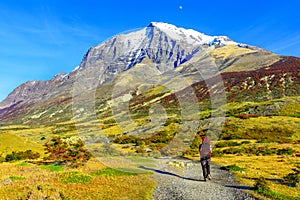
(191, 36)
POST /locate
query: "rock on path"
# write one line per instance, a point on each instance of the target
(182, 180)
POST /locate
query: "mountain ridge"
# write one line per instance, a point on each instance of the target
(136, 42)
(163, 46)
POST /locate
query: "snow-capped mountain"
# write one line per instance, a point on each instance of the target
(158, 42)
(163, 47)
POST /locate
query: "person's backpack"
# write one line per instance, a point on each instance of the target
(205, 148)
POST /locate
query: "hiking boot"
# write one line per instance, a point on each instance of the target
(209, 177)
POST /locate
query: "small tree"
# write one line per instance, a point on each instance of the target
(72, 154)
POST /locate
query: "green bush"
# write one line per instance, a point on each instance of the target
(21, 155)
(227, 144)
(217, 153)
(261, 186)
(293, 177)
(245, 142)
(286, 151)
(257, 150)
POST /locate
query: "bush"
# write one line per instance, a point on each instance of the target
(217, 153)
(261, 186)
(258, 150)
(21, 155)
(73, 154)
(227, 144)
(286, 151)
(294, 177)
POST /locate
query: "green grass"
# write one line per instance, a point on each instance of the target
(292, 109)
(22, 164)
(274, 195)
(233, 168)
(53, 168)
(16, 178)
(270, 129)
(75, 177)
(114, 172)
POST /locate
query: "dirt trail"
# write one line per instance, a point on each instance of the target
(182, 179)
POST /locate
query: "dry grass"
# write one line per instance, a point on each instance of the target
(11, 142)
(270, 167)
(40, 183)
(230, 51)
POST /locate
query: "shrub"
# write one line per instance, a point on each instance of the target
(246, 142)
(227, 144)
(261, 186)
(73, 154)
(21, 155)
(258, 150)
(126, 139)
(286, 151)
(217, 153)
(293, 177)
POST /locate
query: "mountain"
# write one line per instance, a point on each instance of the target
(127, 65)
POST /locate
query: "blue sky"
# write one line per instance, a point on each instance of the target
(40, 38)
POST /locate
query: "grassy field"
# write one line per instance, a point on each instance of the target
(260, 143)
(12, 142)
(248, 170)
(93, 181)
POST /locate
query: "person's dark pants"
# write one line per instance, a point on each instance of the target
(205, 163)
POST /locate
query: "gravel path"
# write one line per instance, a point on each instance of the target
(182, 179)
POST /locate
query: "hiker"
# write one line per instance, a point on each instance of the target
(205, 155)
